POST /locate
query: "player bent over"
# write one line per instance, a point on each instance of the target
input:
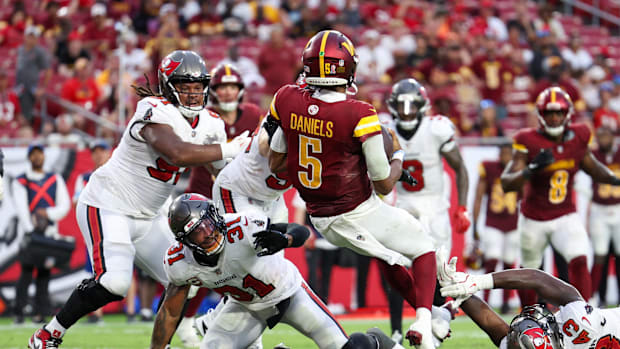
(236, 255)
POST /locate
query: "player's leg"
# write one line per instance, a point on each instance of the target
(570, 239)
(107, 237)
(600, 236)
(441, 231)
(510, 259)
(533, 240)
(492, 243)
(233, 327)
(615, 239)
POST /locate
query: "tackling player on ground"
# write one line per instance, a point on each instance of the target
(547, 159)
(332, 149)
(119, 210)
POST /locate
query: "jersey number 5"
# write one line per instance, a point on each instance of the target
(416, 170)
(164, 171)
(311, 178)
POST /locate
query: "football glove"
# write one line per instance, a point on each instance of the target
(461, 220)
(406, 177)
(236, 145)
(468, 285)
(541, 160)
(269, 241)
(447, 274)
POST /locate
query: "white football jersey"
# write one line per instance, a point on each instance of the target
(249, 175)
(583, 326)
(137, 180)
(255, 282)
(423, 158)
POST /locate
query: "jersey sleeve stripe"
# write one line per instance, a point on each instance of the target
(363, 131)
(272, 109)
(482, 173)
(519, 147)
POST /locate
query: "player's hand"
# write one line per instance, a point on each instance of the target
(446, 270)
(541, 160)
(406, 177)
(270, 242)
(461, 221)
(468, 285)
(236, 146)
(473, 260)
(395, 143)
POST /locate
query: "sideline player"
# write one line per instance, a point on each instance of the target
(332, 148)
(500, 237)
(576, 324)
(605, 208)
(237, 255)
(547, 159)
(119, 210)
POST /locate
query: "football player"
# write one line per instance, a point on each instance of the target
(119, 210)
(576, 324)
(605, 208)
(226, 92)
(332, 149)
(547, 159)
(237, 256)
(500, 238)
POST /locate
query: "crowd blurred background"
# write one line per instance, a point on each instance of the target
(68, 65)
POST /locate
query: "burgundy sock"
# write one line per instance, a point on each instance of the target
(579, 276)
(424, 274)
(596, 274)
(399, 278)
(194, 303)
(528, 297)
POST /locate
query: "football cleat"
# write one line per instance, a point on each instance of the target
(420, 333)
(440, 323)
(187, 333)
(42, 339)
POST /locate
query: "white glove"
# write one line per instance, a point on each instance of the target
(236, 146)
(446, 271)
(468, 285)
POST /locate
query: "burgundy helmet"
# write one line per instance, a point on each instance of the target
(554, 99)
(329, 59)
(226, 74)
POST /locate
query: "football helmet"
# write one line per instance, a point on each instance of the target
(554, 99)
(226, 74)
(191, 213)
(408, 103)
(534, 328)
(329, 59)
(179, 67)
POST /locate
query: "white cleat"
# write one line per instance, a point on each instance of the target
(420, 333)
(440, 324)
(187, 333)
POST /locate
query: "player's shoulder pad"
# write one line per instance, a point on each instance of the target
(523, 138)
(153, 110)
(175, 270)
(583, 132)
(210, 113)
(441, 127)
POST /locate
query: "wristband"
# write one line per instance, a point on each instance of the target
(485, 282)
(398, 155)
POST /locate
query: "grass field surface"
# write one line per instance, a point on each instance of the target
(116, 333)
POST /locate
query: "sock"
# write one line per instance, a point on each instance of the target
(579, 276)
(194, 303)
(489, 267)
(55, 328)
(424, 275)
(399, 278)
(597, 272)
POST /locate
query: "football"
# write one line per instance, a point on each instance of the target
(388, 144)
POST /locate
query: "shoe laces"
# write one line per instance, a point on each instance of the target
(53, 342)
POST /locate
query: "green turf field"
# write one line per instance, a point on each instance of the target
(116, 333)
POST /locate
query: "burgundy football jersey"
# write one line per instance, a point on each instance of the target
(325, 160)
(607, 194)
(200, 179)
(501, 210)
(549, 193)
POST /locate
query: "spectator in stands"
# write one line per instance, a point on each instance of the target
(588, 84)
(69, 51)
(133, 59)
(399, 38)
(522, 22)
(146, 19)
(548, 23)
(32, 60)
(494, 73)
(82, 88)
(375, 58)
(487, 125)
(543, 48)
(65, 133)
(278, 62)
(41, 200)
(422, 51)
(10, 116)
(246, 66)
(495, 27)
(605, 116)
(411, 12)
(11, 33)
(516, 44)
(207, 22)
(578, 58)
(614, 103)
(99, 34)
(169, 36)
(555, 75)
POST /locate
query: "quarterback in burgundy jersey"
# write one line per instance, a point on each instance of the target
(332, 149)
(604, 220)
(499, 236)
(545, 161)
(225, 95)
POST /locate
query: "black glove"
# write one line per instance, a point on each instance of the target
(271, 125)
(271, 241)
(405, 176)
(541, 160)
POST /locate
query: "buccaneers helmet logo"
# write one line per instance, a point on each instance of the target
(168, 66)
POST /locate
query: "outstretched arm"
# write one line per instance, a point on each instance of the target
(599, 172)
(515, 174)
(487, 319)
(454, 159)
(168, 315)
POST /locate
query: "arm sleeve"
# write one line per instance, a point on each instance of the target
(278, 142)
(20, 198)
(376, 160)
(63, 204)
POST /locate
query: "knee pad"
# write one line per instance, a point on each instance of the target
(360, 341)
(97, 293)
(116, 282)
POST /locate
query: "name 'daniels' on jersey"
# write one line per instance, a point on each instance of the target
(312, 126)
